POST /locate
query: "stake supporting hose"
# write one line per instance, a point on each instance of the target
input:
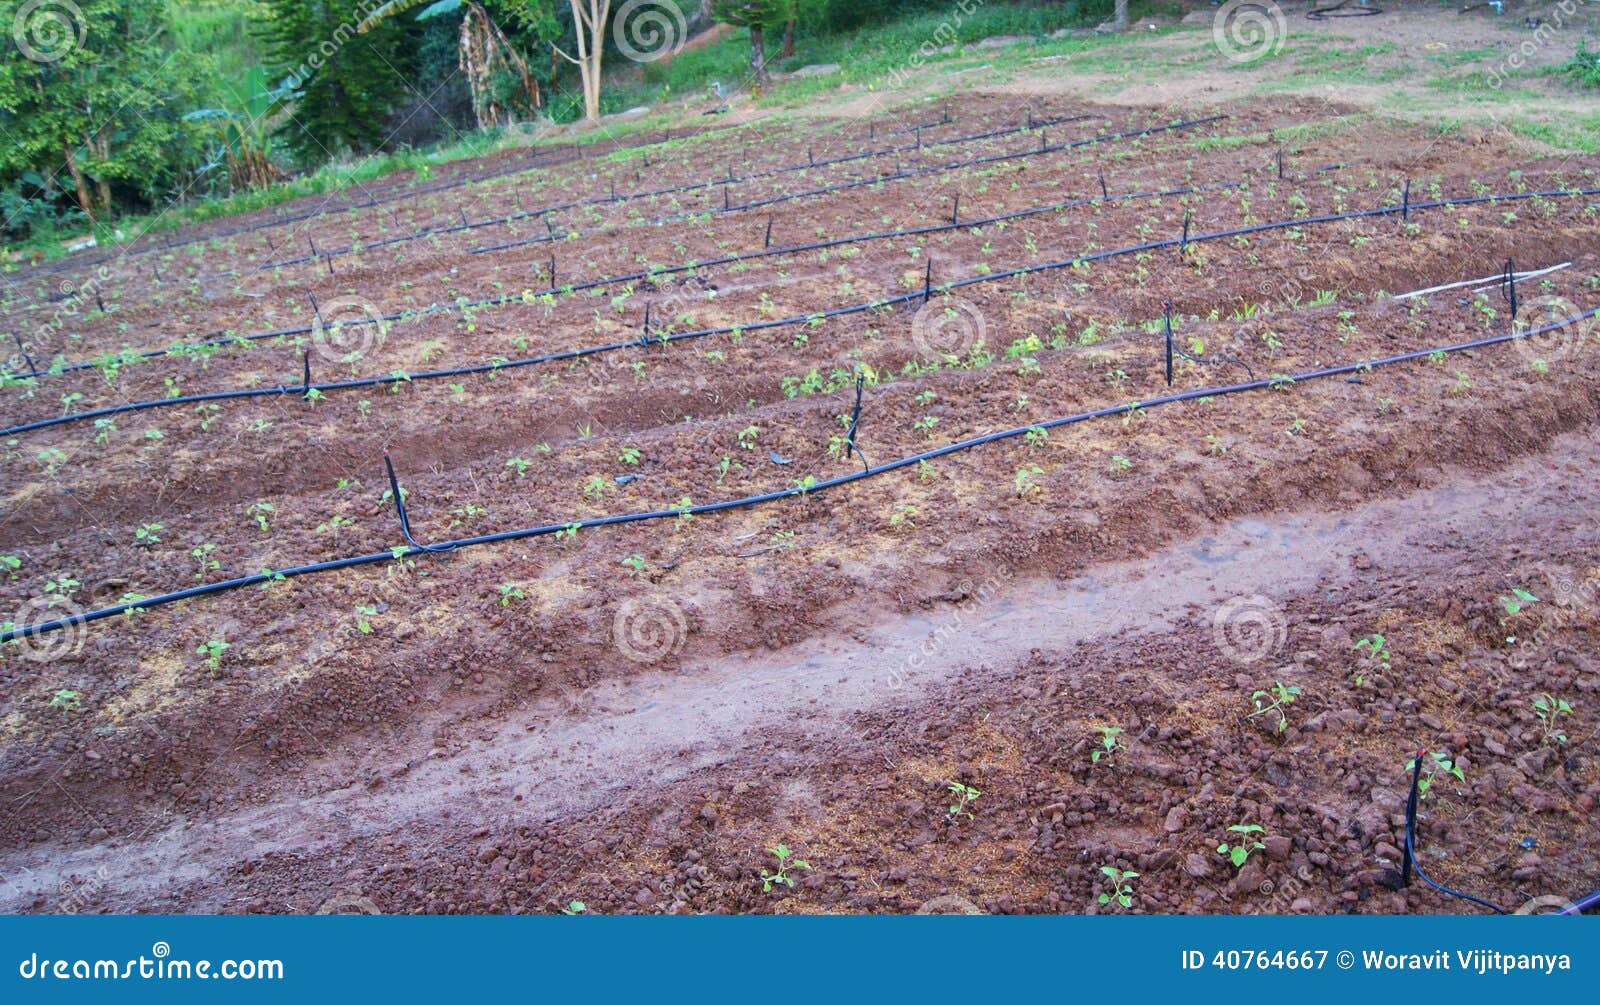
(1276, 383)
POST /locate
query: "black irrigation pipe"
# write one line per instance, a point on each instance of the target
(319, 255)
(392, 193)
(1409, 860)
(859, 183)
(1277, 382)
(504, 299)
(904, 298)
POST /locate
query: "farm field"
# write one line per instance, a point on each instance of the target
(1081, 449)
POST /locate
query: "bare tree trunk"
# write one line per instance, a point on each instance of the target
(1121, 17)
(788, 40)
(589, 16)
(78, 179)
(758, 55)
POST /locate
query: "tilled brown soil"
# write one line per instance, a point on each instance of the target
(631, 715)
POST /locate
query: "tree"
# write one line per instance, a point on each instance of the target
(759, 16)
(1120, 17)
(485, 55)
(344, 79)
(589, 21)
(89, 89)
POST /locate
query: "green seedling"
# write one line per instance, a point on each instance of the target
(965, 795)
(510, 592)
(1121, 889)
(1110, 744)
(1376, 656)
(629, 455)
(259, 511)
(1550, 709)
(634, 564)
(1239, 852)
(66, 702)
(10, 564)
(574, 908)
(519, 465)
(1433, 764)
(1518, 599)
(147, 535)
(786, 862)
(1275, 701)
(212, 650)
(363, 612)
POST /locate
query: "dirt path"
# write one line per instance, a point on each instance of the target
(580, 754)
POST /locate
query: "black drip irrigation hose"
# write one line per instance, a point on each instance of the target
(413, 550)
(614, 198)
(919, 296)
(553, 290)
(1410, 862)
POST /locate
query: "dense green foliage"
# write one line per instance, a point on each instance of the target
(111, 107)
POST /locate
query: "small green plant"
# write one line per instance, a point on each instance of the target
(1275, 701)
(1121, 888)
(212, 650)
(1433, 763)
(634, 565)
(510, 592)
(520, 466)
(203, 561)
(259, 511)
(903, 513)
(574, 908)
(1024, 480)
(147, 535)
(1239, 852)
(629, 455)
(786, 862)
(965, 795)
(10, 564)
(1550, 709)
(1518, 599)
(1375, 652)
(66, 702)
(1110, 744)
(363, 613)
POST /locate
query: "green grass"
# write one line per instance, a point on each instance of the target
(1583, 68)
(1579, 133)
